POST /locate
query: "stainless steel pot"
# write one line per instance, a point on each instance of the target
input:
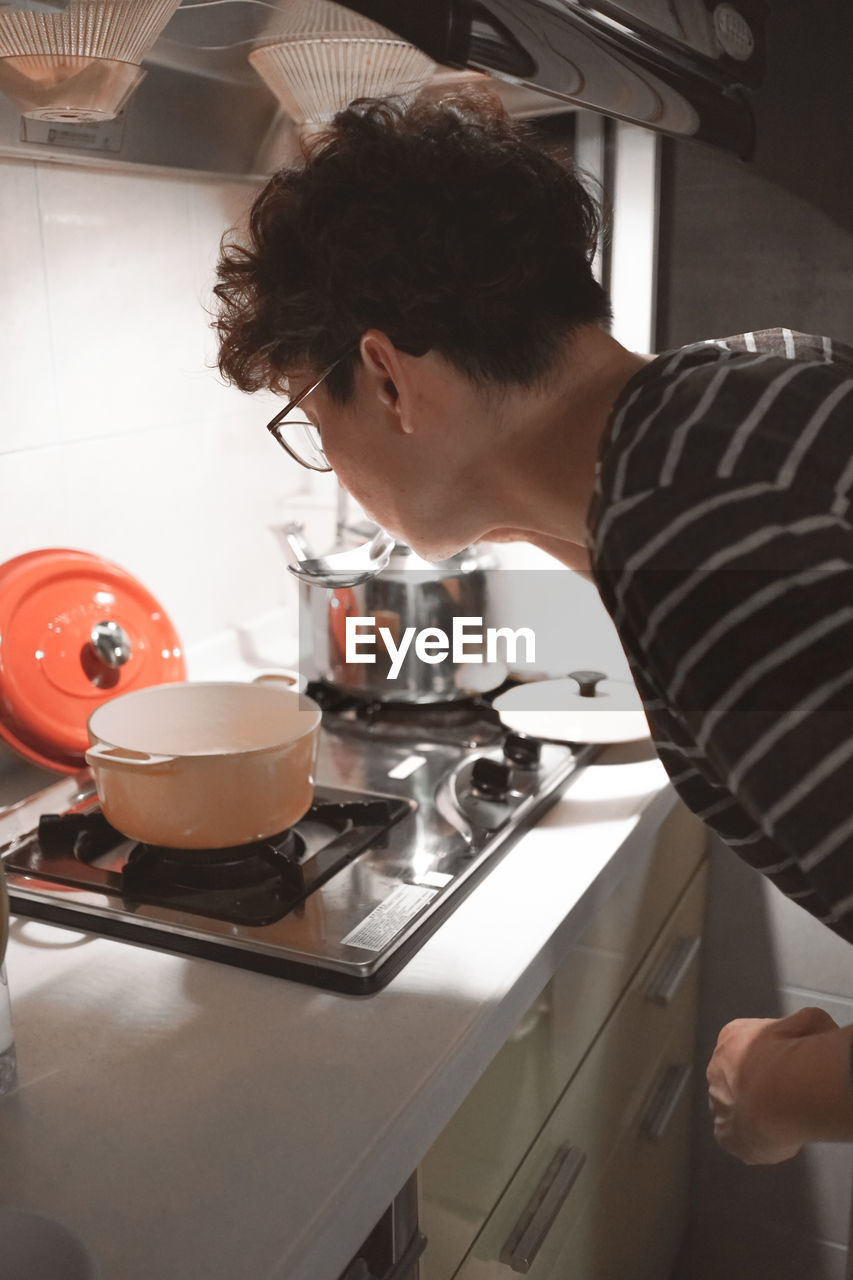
(408, 593)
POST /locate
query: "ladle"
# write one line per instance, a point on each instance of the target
(342, 568)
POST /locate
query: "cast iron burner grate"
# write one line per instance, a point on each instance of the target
(252, 884)
(474, 718)
(154, 866)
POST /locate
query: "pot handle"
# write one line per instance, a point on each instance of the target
(283, 676)
(124, 757)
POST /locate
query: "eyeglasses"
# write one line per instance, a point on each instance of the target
(304, 444)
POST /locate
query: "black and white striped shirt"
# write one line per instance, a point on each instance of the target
(721, 541)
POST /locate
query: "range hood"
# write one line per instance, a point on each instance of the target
(678, 67)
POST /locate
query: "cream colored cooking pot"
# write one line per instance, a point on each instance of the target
(204, 766)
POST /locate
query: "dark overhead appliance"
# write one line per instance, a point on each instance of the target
(679, 67)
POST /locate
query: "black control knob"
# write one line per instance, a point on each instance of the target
(522, 751)
(490, 778)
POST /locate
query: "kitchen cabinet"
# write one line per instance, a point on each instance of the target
(584, 1112)
(276, 1148)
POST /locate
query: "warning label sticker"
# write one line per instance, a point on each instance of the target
(389, 918)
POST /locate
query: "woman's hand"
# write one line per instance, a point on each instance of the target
(776, 1083)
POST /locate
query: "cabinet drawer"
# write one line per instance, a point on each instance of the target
(598, 1112)
(633, 1223)
(601, 963)
(471, 1163)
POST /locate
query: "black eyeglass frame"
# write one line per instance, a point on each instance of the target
(273, 425)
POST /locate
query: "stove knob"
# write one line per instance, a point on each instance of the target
(522, 751)
(490, 778)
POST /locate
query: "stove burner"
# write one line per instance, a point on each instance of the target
(162, 870)
(348, 711)
(416, 714)
(430, 715)
(252, 885)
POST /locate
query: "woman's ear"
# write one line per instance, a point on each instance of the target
(389, 376)
(388, 394)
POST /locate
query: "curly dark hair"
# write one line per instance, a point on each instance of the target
(445, 225)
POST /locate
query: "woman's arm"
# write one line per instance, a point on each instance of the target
(777, 1083)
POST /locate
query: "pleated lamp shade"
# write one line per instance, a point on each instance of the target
(81, 64)
(319, 57)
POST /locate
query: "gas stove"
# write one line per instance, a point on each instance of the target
(412, 806)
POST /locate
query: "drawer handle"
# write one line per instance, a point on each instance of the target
(673, 971)
(528, 1235)
(662, 1107)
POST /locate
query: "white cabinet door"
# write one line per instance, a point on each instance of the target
(608, 1108)
(468, 1168)
(632, 1227)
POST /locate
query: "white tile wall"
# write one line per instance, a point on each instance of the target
(804, 954)
(116, 434)
(28, 406)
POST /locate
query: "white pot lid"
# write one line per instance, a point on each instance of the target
(608, 710)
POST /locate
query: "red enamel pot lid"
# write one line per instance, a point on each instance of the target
(53, 674)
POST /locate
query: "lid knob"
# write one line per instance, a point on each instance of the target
(587, 680)
(110, 643)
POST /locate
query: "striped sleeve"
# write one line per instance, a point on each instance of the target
(753, 644)
(725, 557)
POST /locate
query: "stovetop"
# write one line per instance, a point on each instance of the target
(410, 811)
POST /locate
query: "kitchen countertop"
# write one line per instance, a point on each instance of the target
(188, 1119)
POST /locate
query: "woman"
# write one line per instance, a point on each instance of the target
(421, 289)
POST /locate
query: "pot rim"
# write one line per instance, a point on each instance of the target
(313, 728)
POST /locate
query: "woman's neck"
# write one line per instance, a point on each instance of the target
(542, 472)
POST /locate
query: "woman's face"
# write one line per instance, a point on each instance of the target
(350, 443)
(410, 484)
